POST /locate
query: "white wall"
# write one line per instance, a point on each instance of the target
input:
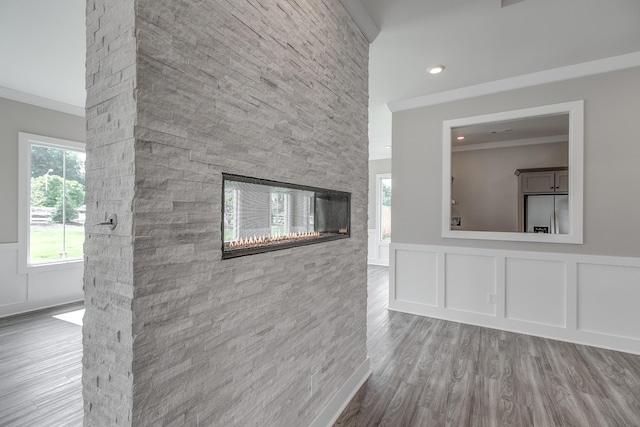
(611, 156)
(579, 293)
(378, 251)
(486, 187)
(41, 287)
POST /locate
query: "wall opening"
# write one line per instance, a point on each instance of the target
(261, 215)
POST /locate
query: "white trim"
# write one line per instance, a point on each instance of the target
(576, 161)
(379, 178)
(24, 167)
(570, 331)
(341, 398)
(584, 69)
(511, 143)
(361, 17)
(39, 101)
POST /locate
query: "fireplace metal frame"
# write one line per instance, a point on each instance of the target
(276, 246)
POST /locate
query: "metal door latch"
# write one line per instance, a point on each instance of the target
(112, 221)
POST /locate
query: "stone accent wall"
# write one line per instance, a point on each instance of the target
(108, 279)
(274, 90)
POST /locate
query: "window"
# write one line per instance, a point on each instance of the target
(52, 203)
(384, 207)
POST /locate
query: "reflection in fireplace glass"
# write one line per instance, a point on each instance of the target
(260, 215)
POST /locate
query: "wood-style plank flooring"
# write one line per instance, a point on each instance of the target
(426, 372)
(41, 370)
(430, 372)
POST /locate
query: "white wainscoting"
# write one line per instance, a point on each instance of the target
(39, 287)
(378, 251)
(586, 299)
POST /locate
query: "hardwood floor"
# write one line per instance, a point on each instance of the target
(429, 372)
(426, 372)
(41, 370)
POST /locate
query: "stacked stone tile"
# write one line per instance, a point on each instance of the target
(110, 184)
(274, 90)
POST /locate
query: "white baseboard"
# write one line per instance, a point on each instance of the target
(341, 398)
(373, 261)
(584, 299)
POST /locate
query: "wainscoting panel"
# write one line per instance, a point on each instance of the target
(37, 289)
(609, 300)
(378, 250)
(469, 279)
(418, 271)
(586, 299)
(13, 288)
(535, 291)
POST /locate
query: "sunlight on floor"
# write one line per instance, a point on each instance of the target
(74, 317)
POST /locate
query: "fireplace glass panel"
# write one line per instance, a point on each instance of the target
(260, 215)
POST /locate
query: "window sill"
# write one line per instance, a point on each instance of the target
(50, 266)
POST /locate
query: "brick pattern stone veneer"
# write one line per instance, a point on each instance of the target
(271, 89)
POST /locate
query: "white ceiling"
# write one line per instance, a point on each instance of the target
(479, 42)
(529, 128)
(42, 46)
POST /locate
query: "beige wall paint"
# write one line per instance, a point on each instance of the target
(486, 187)
(19, 117)
(611, 202)
(376, 167)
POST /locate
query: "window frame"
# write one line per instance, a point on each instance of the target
(25, 141)
(379, 179)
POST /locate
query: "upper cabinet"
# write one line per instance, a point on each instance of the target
(562, 181)
(547, 180)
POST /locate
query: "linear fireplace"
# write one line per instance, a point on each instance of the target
(260, 215)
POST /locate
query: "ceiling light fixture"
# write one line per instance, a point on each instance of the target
(388, 147)
(460, 138)
(435, 69)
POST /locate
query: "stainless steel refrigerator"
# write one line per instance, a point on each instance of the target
(547, 214)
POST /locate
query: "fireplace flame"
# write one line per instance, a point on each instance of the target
(263, 240)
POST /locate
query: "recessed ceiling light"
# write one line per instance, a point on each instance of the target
(435, 69)
(460, 138)
(388, 147)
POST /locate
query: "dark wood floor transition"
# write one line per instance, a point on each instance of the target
(426, 372)
(429, 372)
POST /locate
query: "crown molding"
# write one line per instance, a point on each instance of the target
(511, 143)
(361, 17)
(584, 69)
(39, 101)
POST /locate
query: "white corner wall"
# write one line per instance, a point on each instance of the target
(39, 288)
(586, 299)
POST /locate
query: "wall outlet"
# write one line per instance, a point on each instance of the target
(315, 379)
(491, 298)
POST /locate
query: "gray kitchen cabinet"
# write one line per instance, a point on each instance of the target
(546, 181)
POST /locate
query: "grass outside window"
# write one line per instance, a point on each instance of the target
(45, 242)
